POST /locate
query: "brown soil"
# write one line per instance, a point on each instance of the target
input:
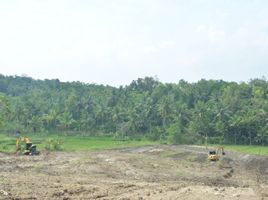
(152, 172)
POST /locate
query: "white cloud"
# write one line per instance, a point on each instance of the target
(188, 61)
(216, 35)
(211, 33)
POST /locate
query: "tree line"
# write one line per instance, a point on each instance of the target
(212, 110)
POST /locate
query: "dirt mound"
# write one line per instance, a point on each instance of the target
(256, 165)
(254, 162)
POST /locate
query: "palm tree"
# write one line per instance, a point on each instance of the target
(66, 120)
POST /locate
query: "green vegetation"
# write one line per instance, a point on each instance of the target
(7, 144)
(209, 110)
(59, 142)
(247, 149)
(54, 142)
(258, 150)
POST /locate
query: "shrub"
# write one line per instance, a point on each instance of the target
(175, 133)
(54, 144)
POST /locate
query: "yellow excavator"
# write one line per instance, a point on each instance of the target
(30, 149)
(214, 155)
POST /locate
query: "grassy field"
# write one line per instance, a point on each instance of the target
(71, 143)
(258, 150)
(248, 149)
(87, 143)
(6, 142)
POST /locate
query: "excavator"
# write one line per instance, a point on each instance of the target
(214, 155)
(30, 149)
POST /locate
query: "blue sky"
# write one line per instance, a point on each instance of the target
(116, 41)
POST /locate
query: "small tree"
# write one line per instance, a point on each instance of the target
(175, 133)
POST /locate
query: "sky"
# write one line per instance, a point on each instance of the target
(114, 42)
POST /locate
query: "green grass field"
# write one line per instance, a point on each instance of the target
(6, 143)
(72, 143)
(258, 150)
(88, 143)
(248, 149)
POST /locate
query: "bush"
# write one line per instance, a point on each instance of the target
(156, 134)
(178, 135)
(174, 132)
(54, 144)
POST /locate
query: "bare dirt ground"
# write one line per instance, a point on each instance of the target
(152, 172)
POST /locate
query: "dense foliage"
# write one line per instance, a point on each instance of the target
(222, 112)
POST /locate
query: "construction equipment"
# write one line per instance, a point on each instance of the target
(30, 149)
(214, 155)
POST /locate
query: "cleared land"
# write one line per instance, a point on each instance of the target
(149, 172)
